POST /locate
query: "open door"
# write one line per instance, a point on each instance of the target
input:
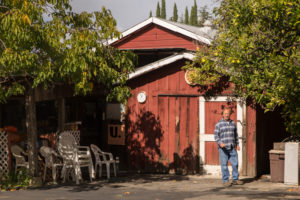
(209, 114)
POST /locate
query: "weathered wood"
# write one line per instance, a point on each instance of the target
(31, 131)
(155, 36)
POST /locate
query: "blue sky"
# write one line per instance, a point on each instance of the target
(131, 12)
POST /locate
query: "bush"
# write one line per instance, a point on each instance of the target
(13, 180)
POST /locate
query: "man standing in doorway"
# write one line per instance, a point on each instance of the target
(228, 144)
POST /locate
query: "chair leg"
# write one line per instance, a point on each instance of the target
(100, 170)
(91, 172)
(44, 177)
(96, 169)
(63, 173)
(115, 172)
(54, 174)
(108, 170)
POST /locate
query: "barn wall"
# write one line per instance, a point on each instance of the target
(155, 36)
(163, 132)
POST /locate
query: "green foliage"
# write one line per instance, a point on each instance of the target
(258, 48)
(150, 14)
(68, 48)
(163, 13)
(158, 10)
(175, 13)
(13, 181)
(186, 16)
(194, 17)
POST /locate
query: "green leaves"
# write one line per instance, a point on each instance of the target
(258, 47)
(69, 47)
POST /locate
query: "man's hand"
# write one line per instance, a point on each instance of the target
(237, 148)
(222, 145)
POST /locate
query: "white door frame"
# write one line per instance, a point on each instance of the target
(241, 110)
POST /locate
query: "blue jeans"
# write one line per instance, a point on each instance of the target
(231, 155)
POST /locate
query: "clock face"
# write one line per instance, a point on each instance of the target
(141, 97)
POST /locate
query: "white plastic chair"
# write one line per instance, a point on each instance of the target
(74, 156)
(103, 158)
(19, 155)
(49, 154)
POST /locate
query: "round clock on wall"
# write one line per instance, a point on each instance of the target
(141, 97)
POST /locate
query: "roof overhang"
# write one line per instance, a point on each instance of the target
(166, 25)
(160, 63)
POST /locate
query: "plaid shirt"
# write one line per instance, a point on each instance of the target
(226, 132)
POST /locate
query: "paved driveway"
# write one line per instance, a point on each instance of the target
(159, 187)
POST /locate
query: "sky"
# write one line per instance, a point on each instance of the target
(129, 13)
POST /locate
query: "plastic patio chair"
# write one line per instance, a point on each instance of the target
(103, 158)
(49, 154)
(74, 156)
(19, 155)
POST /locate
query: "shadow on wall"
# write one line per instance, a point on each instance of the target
(215, 89)
(147, 150)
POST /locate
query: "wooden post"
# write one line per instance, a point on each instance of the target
(244, 139)
(61, 114)
(31, 131)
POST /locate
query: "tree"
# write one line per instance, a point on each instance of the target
(193, 16)
(258, 49)
(163, 13)
(175, 13)
(186, 16)
(66, 48)
(150, 15)
(158, 10)
(204, 15)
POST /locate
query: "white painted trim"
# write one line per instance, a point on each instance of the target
(166, 25)
(241, 109)
(160, 63)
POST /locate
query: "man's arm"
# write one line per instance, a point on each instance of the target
(217, 136)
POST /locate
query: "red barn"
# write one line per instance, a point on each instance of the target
(170, 122)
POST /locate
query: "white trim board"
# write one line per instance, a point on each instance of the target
(160, 63)
(166, 25)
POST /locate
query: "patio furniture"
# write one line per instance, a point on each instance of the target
(103, 158)
(74, 156)
(50, 161)
(19, 155)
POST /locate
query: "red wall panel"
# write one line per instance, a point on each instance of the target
(154, 36)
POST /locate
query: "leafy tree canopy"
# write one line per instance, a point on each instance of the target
(258, 48)
(66, 47)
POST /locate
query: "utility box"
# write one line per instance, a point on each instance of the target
(291, 163)
(277, 165)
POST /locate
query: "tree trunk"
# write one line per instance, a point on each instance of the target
(31, 131)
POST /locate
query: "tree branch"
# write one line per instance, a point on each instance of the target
(3, 44)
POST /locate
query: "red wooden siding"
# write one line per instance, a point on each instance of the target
(154, 36)
(251, 141)
(172, 122)
(211, 153)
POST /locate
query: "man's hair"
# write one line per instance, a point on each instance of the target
(227, 108)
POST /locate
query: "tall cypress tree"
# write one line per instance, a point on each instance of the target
(186, 16)
(157, 10)
(150, 15)
(175, 13)
(193, 16)
(163, 9)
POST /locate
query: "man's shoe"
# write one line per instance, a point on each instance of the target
(227, 184)
(237, 182)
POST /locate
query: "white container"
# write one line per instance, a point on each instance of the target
(291, 164)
